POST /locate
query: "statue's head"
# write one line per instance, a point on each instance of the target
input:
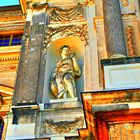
(65, 50)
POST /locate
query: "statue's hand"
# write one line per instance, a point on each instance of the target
(73, 55)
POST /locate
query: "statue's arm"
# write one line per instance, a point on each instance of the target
(77, 69)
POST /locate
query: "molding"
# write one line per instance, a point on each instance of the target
(6, 91)
(9, 58)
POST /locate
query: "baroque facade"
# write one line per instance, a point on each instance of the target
(76, 65)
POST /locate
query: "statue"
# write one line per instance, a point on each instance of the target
(62, 81)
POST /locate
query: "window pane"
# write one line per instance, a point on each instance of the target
(6, 40)
(15, 40)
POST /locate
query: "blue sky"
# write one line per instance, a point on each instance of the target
(8, 2)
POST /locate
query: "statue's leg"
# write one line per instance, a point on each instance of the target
(61, 88)
(70, 83)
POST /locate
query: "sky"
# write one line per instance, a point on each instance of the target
(8, 2)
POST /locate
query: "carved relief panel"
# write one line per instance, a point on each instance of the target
(56, 123)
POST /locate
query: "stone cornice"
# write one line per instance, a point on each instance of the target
(39, 4)
(11, 49)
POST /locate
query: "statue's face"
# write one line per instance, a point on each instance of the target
(65, 51)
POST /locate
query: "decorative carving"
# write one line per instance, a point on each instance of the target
(124, 2)
(54, 33)
(49, 126)
(7, 58)
(130, 40)
(12, 26)
(11, 14)
(85, 2)
(9, 63)
(8, 67)
(63, 78)
(65, 15)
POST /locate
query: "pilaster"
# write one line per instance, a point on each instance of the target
(91, 53)
(28, 72)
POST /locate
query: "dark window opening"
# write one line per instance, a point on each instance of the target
(1, 127)
(10, 40)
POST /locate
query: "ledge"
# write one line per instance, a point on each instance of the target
(120, 61)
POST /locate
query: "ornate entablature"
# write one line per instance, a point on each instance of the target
(9, 60)
(8, 63)
(67, 22)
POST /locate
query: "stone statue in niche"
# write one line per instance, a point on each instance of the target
(62, 81)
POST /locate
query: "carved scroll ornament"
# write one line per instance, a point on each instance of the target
(49, 126)
(130, 40)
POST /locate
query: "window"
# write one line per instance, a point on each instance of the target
(10, 39)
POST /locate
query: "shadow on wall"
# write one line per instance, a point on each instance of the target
(53, 56)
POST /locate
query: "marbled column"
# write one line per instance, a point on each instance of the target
(29, 67)
(115, 41)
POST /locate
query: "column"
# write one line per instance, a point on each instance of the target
(29, 66)
(114, 33)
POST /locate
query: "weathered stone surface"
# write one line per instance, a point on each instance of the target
(38, 18)
(37, 29)
(24, 115)
(28, 74)
(20, 76)
(40, 88)
(61, 105)
(113, 107)
(115, 40)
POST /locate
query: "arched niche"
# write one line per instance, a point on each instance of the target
(53, 57)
